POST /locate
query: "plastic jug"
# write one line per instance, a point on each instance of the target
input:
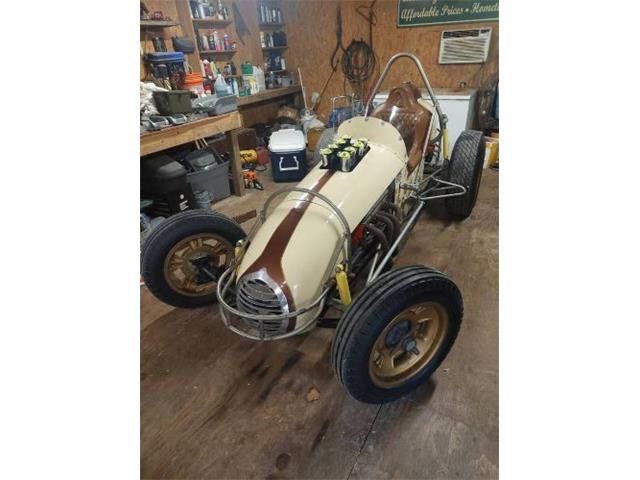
(221, 87)
(258, 74)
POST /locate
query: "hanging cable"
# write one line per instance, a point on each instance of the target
(359, 59)
(339, 46)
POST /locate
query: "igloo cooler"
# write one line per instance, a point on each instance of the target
(288, 155)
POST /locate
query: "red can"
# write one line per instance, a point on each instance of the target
(264, 157)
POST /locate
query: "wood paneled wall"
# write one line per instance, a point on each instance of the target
(311, 27)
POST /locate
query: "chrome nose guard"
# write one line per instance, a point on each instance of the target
(258, 309)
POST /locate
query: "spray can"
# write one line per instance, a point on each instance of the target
(365, 143)
(226, 42)
(325, 157)
(360, 148)
(353, 151)
(215, 40)
(345, 161)
(333, 161)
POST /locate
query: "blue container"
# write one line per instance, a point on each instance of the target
(165, 57)
(288, 155)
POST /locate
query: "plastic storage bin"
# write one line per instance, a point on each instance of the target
(209, 175)
(288, 155)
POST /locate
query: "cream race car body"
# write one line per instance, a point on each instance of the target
(294, 252)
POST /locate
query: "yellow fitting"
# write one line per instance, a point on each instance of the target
(239, 251)
(445, 143)
(343, 285)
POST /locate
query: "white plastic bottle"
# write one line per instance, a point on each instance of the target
(258, 74)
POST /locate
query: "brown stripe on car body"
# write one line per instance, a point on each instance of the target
(270, 260)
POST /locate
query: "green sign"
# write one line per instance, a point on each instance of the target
(413, 13)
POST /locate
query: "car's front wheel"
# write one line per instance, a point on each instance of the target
(396, 333)
(180, 256)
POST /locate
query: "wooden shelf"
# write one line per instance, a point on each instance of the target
(217, 52)
(211, 22)
(157, 23)
(274, 49)
(152, 142)
(271, 25)
(268, 95)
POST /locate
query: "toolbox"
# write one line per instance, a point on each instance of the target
(173, 102)
(165, 57)
(288, 155)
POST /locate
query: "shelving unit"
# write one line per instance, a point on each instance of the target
(269, 10)
(268, 95)
(217, 52)
(157, 23)
(211, 22)
(194, 27)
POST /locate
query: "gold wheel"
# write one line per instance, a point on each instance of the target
(180, 273)
(407, 344)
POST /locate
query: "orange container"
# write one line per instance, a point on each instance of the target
(193, 82)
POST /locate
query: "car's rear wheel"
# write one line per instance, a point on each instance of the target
(179, 258)
(396, 333)
(465, 168)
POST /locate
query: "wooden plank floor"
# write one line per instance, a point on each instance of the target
(214, 405)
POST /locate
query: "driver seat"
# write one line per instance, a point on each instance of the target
(403, 110)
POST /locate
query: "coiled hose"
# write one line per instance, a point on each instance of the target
(358, 63)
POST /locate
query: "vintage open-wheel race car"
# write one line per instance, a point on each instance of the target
(329, 246)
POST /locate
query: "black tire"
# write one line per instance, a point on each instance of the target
(465, 168)
(366, 318)
(325, 139)
(162, 240)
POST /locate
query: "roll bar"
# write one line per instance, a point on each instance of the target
(442, 118)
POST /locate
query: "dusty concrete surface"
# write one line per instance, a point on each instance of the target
(214, 405)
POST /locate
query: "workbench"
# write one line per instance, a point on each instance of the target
(268, 95)
(263, 107)
(152, 142)
(253, 108)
